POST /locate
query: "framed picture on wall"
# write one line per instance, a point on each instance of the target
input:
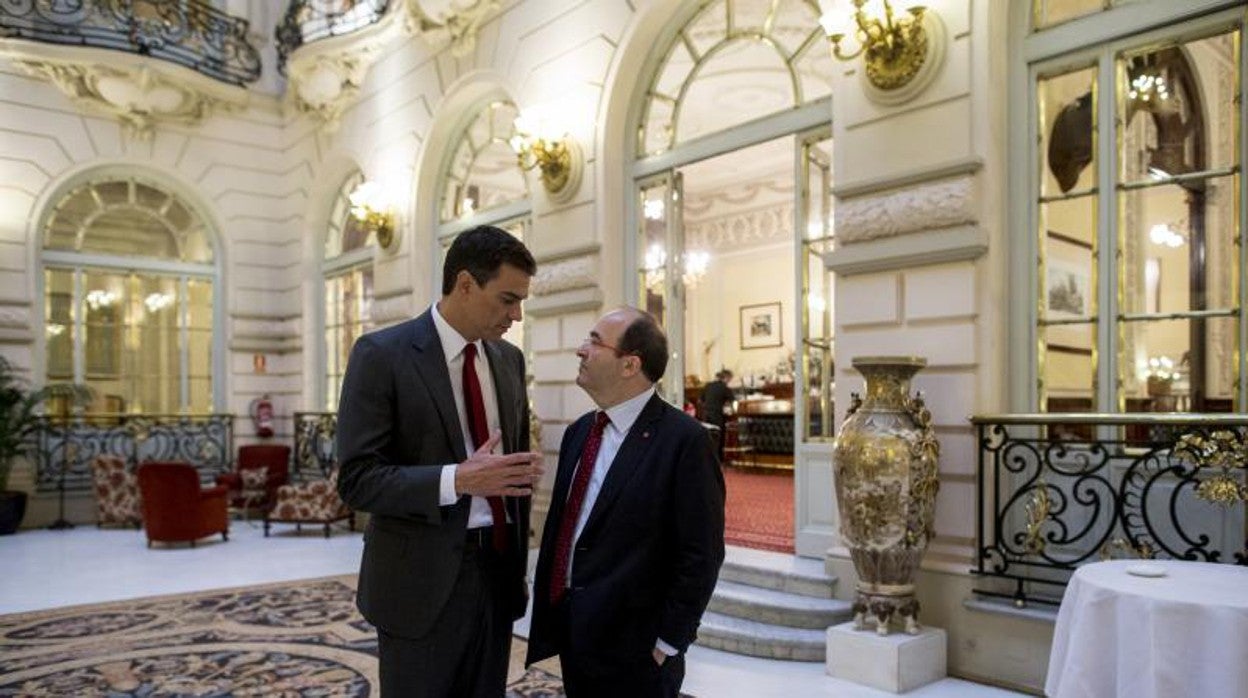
(760, 325)
(1069, 294)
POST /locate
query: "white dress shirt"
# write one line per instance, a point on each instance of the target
(621, 419)
(453, 344)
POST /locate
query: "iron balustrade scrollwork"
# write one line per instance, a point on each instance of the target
(315, 450)
(63, 447)
(311, 20)
(1056, 491)
(190, 33)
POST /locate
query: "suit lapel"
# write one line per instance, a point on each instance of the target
(430, 363)
(627, 462)
(568, 458)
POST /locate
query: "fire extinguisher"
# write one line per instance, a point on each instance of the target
(261, 410)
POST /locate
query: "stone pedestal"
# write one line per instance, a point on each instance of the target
(896, 662)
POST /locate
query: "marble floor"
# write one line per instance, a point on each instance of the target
(48, 569)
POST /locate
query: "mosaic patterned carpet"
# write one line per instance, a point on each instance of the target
(759, 510)
(292, 639)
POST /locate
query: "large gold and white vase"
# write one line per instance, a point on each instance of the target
(884, 462)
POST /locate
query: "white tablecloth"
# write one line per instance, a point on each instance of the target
(1184, 634)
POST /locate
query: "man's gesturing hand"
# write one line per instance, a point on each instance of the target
(485, 474)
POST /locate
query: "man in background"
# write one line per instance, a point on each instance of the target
(716, 396)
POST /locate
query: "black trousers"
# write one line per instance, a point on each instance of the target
(634, 676)
(466, 653)
(642, 678)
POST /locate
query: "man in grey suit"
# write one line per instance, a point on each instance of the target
(433, 441)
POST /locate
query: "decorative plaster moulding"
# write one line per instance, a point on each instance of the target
(453, 23)
(392, 309)
(937, 205)
(139, 91)
(761, 226)
(957, 244)
(325, 76)
(565, 275)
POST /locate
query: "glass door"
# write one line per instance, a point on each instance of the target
(660, 242)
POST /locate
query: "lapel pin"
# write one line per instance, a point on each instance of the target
(645, 434)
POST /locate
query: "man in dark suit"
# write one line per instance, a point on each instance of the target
(635, 533)
(425, 406)
(715, 396)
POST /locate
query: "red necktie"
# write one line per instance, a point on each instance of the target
(479, 429)
(572, 510)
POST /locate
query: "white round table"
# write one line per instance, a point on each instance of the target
(1181, 634)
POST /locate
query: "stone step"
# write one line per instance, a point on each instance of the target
(741, 636)
(778, 607)
(778, 571)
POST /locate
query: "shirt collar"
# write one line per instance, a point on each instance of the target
(625, 413)
(453, 342)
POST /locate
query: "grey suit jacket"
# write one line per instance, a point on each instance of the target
(397, 426)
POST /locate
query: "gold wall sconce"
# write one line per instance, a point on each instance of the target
(901, 48)
(374, 213)
(540, 143)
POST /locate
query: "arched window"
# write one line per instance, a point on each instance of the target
(482, 180)
(128, 274)
(735, 61)
(347, 269)
(484, 185)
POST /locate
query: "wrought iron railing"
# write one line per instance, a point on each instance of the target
(63, 447)
(1060, 490)
(311, 20)
(315, 453)
(190, 33)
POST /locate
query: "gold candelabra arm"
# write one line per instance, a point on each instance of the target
(897, 47)
(559, 162)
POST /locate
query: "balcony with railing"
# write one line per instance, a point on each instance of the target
(307, 21)
(189, 33)
(62, 447)
(1057, 491)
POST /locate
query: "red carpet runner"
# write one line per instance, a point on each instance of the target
(760, 508)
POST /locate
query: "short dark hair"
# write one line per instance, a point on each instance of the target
(644, 339)
(481, 252)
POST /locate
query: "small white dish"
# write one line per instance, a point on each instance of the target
(1147, 569)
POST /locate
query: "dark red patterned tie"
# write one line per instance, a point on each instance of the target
(572, 510)
(478, 428)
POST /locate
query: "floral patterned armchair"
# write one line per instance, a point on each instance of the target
(313, 502)
(117, 497)
(260, 470)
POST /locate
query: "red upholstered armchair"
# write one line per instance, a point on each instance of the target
(261, 469)
(175, 508)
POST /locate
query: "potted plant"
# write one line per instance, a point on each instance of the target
(18, 419)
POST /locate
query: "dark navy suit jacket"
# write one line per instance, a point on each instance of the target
(647, 560)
